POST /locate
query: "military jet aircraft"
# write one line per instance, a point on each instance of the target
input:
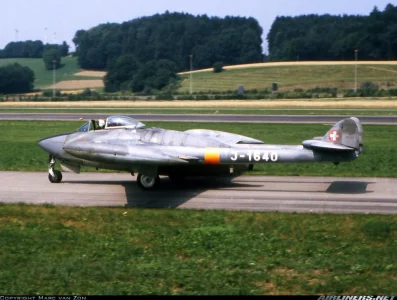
(125, 144)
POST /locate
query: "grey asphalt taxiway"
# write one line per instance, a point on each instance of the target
(250, 193)
(304, 119)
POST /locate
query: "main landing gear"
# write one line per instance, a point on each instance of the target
(54, 176)
(147, 182)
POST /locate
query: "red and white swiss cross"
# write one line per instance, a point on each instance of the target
(334, 136)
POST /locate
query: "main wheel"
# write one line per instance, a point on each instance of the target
(147, 182)
(57, 178)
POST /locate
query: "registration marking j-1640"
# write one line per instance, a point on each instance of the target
(252, 156)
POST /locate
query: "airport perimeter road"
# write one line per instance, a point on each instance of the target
(250, 193)
(304, 119)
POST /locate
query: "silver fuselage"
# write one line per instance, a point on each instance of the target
(194, 152)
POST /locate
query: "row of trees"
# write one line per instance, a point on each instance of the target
(172, 36)
(31, 49)
(15, 78)
(326, 37)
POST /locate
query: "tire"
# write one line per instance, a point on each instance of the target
(147, 182)
(57, 178)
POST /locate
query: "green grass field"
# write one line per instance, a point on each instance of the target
(118, 251)
(288, 77)
(44, 77)
(291, 77)
(20, 151)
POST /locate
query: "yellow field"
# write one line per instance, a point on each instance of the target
(303, 63)
(77, 84)
(91, 73)
(317, 103)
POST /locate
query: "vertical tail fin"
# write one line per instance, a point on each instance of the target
(346, 135)
(348, 132)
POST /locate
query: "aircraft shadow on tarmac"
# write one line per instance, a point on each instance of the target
(349, 187)
(168, 194)
(335, 187)
(173, 195)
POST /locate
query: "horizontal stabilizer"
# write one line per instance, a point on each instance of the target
(320, 145)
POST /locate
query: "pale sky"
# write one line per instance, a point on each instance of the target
(58, 20)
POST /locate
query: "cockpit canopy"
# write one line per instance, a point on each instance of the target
(123, 122)
(112, 122)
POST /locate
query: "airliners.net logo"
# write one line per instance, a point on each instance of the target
(356, 298)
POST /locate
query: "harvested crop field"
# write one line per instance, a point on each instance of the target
(300, 63)
(91, 73)
(78, 84)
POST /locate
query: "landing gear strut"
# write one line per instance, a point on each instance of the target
(148, 182)
(54, 176)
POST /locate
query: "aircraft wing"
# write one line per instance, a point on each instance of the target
(223, 137)
(133, 154)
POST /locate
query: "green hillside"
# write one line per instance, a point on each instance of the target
(44, 77)
(291, 77)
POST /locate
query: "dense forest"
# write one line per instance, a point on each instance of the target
(173, 37)
(31, 49)
(326, 37)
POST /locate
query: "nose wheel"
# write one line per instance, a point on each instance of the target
(54, 176)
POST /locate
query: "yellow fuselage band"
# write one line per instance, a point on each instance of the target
(212, 156)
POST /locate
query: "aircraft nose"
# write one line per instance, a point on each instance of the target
(53, 144)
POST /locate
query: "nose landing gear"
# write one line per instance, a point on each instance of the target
(54, 176)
